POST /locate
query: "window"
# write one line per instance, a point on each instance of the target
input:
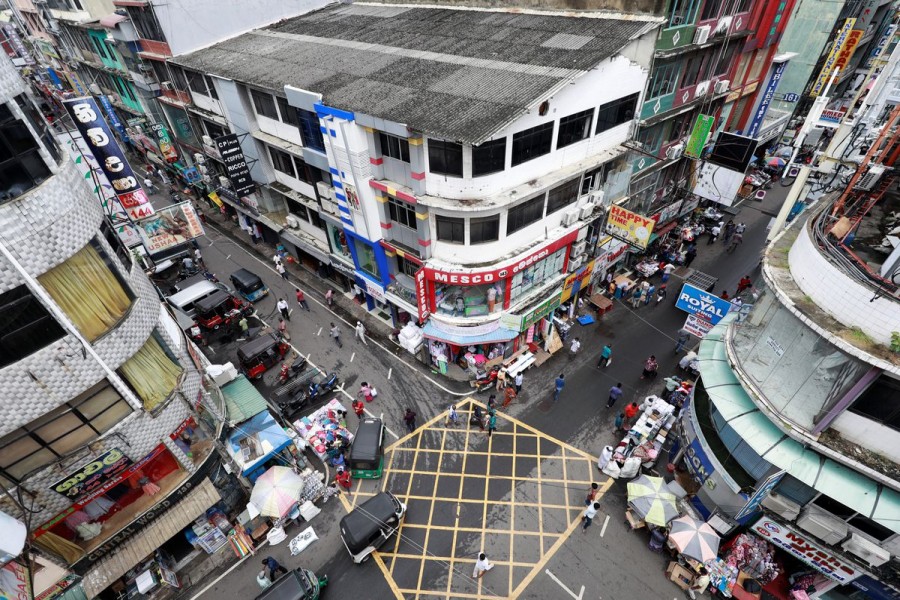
(287, 112)
(99, 47)
(179, 79)
(302, 170)
(489, 157)
(880, 402)
(664, 80)
(61, 431)
(282, 162)
(21, 165)
(214, 130)
(532, 143)
(152, 372)
(616, 112)
(711, 9)
(196, 82)
(871, 528)
(593, 180)
(264, 104)
(451, 229)
(445, 158)
(724, 63)
(145, 22)
(26, 326)
(484, 229)
(210, 87)
(525, 214)
(402, 213)
(365, 255)
(537, 274)
(310, 130)
(115, 242)
(574, 128)
(692, 70)
(406, 266)
(682, 12)
(562, 195)
(394, 147)
(39, 124)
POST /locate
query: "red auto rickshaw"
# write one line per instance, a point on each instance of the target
(221, 309)
(258, 355)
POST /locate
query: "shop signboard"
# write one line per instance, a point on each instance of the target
(762, 490)
(766, 100)
(112, 117)
(836, 46)
(164, 142)
(699, 135)
(697, 325)
(693, 300)
(801, 546)
(343, 268)
(575, 281)
(543, 309)
(192, 174)
(14, 582)
(58, 588)
(236, 168)
(422, 295)
(668, 213)
(96, 132)
(874, 589)
(373, 289)
(92, 475)
(629, 227)
(611, 252)
(698, 463)
(511, 321)
(846, 53)
(882, 42)
(170, 227)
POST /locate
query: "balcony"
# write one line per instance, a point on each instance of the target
(154, 50)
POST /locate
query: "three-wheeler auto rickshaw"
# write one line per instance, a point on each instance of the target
(249, 285)
(220, 309)
(299, 584)
(371, 524)
(367, 451)
(258, 355)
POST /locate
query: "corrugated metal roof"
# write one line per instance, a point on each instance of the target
(242, 400)
(451, 73)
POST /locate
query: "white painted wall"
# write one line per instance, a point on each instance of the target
(348, 151)
(869, 434)
(278, 129)
(208, 104)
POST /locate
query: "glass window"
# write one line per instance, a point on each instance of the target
(406, 266)
(525, 214)
(445, 158)
(682, 12)
(470, 300)
(574, 128)
(21, 165)
(310, 130)
(210, 87)
(489, 157)
(535, 275)
(451, 229)
(26, 326)
(562, 195)
(178, 77)
(61, 431)
(196, 81)
(592, 180)
(152, 372)
(880, 402)
(214, 130)
(692, 70)
(366, 257)
(532, 143)
(288, 113)
(145, 22)
(264, 104)
(664, 79)
(711, 9)
(394, 147)
(836, 508)
(871, 528)
(282, 162)
(39, 124)
(616, 112)
(302, 170)
(484, 229)
(402, 213)
(724, 63)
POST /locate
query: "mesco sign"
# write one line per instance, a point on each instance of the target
(693, 300)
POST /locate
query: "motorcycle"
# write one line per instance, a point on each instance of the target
(317, 390)
(487, 380)
(289, 371)
(661, 293)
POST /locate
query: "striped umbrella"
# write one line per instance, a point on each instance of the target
(694, 538)
(276, 491)
(651, 500)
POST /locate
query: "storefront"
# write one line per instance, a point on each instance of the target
(372, 270)
(259, 443)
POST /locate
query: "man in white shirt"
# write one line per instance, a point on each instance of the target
(482, 566)
(519, 379)
(588, 517)
(701, 582)
(284, 309)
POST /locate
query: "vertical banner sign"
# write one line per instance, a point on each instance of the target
(165, 142)
(836, 47)
(422, 295)
(106, 150)
(846, 53)
(766, 100)
(702, 127)
(882, 42)
(235, 164)
(112, 117)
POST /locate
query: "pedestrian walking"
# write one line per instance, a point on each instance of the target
(274, 568)
(410, 419)
(667, 271)
(452, 416)
(615, 392)
(714, 234)
(366, 391)
(729, 230)
(650, 367)
(700, 584)
(560, 384)
(360, 331)
(282, 329)
(604, 457)
(491, 422)
(509, 394)
(740, 228)
(244, 325)
(620, 421)
(482, 566)
(198, 258)
(281, 271)
(263, 580)
(648, 294)
(335, 333)
(605, 356)
(518, 380)
(477, 417)
(329, 298)
(630, 412)
(724, 295)
(636, 297)
(358, 407)
(284, 309)
(149, 185)
(736, 241)
(277, 259)
(342, 478)
(575, 347)
(501, 379)
(301, 300)
(744, 284)
(681, 340)
(588, 517)
(591, 494)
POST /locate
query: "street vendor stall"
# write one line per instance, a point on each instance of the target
(325, 430)
(647, 268)
(646, 437)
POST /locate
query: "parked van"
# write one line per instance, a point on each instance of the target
(186, 299)
(371, 524)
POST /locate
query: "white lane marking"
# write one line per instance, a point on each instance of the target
(227, 257)
(352, 356)
(391, 370)
(563, 586)
(319, 332)
(605, 523)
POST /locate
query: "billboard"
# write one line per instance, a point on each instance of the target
(766, 100)
(164, 142)
(836, 46)
(699, 135)
(100, 142)
(693, 300)
(718, 183)
(170, 227)
(629, 226)
(90, 476)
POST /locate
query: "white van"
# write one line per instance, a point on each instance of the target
(185, 299)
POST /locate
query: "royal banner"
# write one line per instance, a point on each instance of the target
(629, 227)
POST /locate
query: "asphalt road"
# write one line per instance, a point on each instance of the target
(607, 561)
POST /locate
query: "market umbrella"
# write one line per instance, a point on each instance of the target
(776, 161)
(651, 500)
(694, 538)
(276, 491)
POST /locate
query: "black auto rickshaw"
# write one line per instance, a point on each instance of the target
(299, 584)
(367, 452)
(371, 524)
(249, 285)
(258, 355)
(220, 309)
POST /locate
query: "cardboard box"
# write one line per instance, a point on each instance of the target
(680, 576)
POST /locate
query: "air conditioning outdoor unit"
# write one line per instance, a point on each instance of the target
(597, 199)
(822, 524)
(574, 264)
(203, 170)
(145, 68)
(325, 190)
(224, 182)
(722, 86)
(199, 158)
(702, 34)
(578, 248)
(208, 141)
(868, 181)
(781, 506)
(702, 89)
(569, 217)
(292, 222)
(167, 86)
(859, 546)
(586, 211)
(675, 152)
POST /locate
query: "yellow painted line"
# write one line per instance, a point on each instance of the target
(409, 483)
(487, 487)
(473, 452)
(473, 529)
(512, 511)
(422, 216)
(456, 527)
(438, 473)
(398, 594)
(440, 594)
(443, 559)
(430, 514)
(499, 502)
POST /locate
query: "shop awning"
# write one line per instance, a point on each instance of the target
(663, 231)
(267, 435)
(825, 475)
(112, 20)
(501, 334)
(143, 544)
(242, 400)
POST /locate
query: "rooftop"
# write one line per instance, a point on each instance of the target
(452, 73)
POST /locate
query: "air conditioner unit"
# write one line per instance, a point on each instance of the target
(325, 190)
(167, 86)
(822, 524)
(569, 217)
(199, 158)
(574, 264)
(208, 141)
(702, 89)
(723, 25)
(781, 506)
(702, 34)
(868, 181)
(722, 86)
(203, 170)
(224, 182)
(675, 152)
(292, 222)
(597, 199)
(586, 211)
(872, 553)
(578, 249)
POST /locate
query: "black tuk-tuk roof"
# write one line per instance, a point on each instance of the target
(367, 442)
(256, 347)
(246, 280)
(293, 586)
(212, 301)
(358, 527)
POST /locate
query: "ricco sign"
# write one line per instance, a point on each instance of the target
(799, 545)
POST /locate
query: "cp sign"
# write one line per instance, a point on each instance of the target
(693, 300)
